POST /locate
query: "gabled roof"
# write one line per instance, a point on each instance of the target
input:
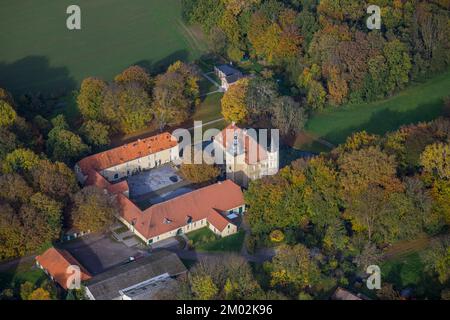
(172, 214)
(217, 220)
(106, 286)
(228, 70)
(128, 152)
(56, 262)
(342, 294)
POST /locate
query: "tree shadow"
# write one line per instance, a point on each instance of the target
(161, 65)
(387, 120)
(34, 74)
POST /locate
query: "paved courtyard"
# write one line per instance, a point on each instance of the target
(98, 253)
(153, 180)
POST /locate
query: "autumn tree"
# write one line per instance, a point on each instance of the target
(175, 94)
(293, 268)
(95, 133)
(135, 74)
(233, 103)
(127, 107)
(54, 179)
(435, 160)
(199, 173)
(39, 294)
(7, 114)
(90, 98)
(92, 210)
(20, 160)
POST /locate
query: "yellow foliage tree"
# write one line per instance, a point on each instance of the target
(233, 103)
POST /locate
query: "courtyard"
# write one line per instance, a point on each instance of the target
(156, 179)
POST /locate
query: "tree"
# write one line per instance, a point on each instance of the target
(398, 64)
(437, 258)
(127, 107)
(14, 189)
(233, 103)
(20, 160)
(90, 98)
(93, 210)
(54, 179)
(435, 160)
(12, 236)
(26, 289)
(40, 294)
(64, 145)
(135, 74)
(288, 116)
(199, 173)
(293, 268)
(176, 93)
(8, 142)
(95, 133)
(316, 95)
(7, 114)
(49, 209)
(203, 288)
(369, 166)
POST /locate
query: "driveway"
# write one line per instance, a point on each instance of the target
(97, 253)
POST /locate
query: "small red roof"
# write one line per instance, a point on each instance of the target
(217, 220)
(56, 262)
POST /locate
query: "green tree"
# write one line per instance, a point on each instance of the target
(95, 133)
(64, 145)
(437, 258)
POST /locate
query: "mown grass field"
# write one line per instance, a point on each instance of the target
(40, 54)
(419, 102)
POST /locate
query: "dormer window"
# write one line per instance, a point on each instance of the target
(167, 221)
(188, 219)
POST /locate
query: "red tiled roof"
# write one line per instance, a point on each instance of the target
(127, 152)
(173, 214)
(250, 143)
(217, 220)
(96, 179)
(56, 262)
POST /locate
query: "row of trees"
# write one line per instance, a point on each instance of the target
(257, 100)
(324, 49)
(346, 206)
(39, 194)
(134, 99)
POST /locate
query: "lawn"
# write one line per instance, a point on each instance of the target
(40, 54)
(21, 273)
(209, 109)
(407, 271)
(419, 102)
(205, 240)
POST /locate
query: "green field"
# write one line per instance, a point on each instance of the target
(40, 54)
(420, 102)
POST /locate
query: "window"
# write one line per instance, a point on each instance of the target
(116, 176)
(150, 241)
